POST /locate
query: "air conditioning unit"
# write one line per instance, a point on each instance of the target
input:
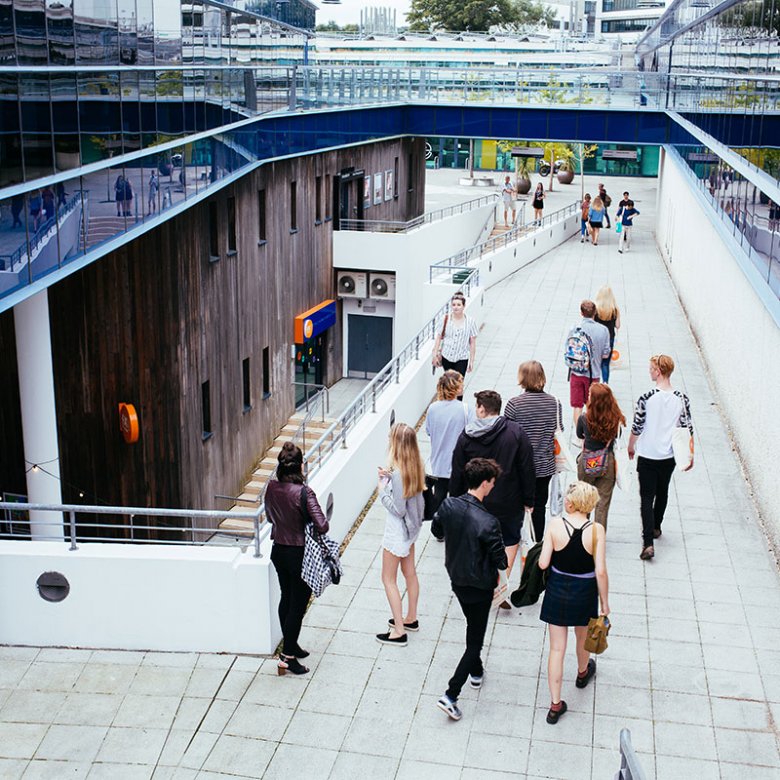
(352, 284)
(382, 287)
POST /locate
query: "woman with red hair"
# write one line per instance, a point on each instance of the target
(599, 427)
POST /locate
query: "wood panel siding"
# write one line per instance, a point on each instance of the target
(149, 323)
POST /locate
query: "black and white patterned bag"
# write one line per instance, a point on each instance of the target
(321, 562)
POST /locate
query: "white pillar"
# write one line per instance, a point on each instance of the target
(39, 413)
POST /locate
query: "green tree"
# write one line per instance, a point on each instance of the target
(331, 26)
(477, 15)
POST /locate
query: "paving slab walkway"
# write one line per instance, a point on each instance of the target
(693, 667)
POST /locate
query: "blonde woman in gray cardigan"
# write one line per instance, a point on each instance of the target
(401, 486)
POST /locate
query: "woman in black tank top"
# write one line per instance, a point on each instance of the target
(576, 583)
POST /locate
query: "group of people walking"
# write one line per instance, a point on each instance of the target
(487, 474)
(595, 216)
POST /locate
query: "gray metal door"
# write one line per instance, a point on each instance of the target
(369, 344)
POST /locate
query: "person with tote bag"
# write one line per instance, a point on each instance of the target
(290, 505)
(660, 414)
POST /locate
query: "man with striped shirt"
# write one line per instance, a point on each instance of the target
(658, 413)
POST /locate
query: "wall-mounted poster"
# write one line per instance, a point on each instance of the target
(388, 185)
(367, 192)
(377, 188)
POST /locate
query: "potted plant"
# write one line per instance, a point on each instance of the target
(565, 171)
(523, 168)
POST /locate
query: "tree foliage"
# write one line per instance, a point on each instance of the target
(476, 15)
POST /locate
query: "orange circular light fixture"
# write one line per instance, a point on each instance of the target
(128, 423)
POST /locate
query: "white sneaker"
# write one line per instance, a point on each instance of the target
(474, 681)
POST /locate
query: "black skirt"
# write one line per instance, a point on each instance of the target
(569, 601)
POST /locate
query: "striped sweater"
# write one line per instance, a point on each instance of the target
(539, 415)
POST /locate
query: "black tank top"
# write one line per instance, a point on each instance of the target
(574, 558)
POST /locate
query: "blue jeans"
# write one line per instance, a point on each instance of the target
(606, 361)
(583, 227)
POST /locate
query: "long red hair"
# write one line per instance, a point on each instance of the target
(603, 414)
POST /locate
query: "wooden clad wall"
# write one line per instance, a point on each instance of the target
(151, 322)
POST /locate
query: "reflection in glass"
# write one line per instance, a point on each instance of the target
(30, 23)
(131, 117)
(10, 132)
(99, 116)
(145, 31)
(59, 25)
(7, 43)
(36, 125)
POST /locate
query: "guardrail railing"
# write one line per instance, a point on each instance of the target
(456, 262)
(394, 226)
(630, 768)
(77, 529)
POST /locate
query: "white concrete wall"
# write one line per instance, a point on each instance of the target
(735, 320)
(140, 597)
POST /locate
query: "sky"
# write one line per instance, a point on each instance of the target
(349, 10)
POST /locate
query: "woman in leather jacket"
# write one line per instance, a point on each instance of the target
(289, 506)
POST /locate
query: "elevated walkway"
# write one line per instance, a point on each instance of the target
(691, 667)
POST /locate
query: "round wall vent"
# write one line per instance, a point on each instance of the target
(52, 586)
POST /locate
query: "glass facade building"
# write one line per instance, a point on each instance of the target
(738, 42)
(112, 111)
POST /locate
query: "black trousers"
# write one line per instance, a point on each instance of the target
(461, 366)
(477, 614)
(438, 489)
(540, 502)
(654, 479)
(288, 561)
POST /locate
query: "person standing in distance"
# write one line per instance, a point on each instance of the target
(473, 555)
(456, 345)
(658, 412)
(607, 201)
(508, 195)
(494, 437)
(586, 346)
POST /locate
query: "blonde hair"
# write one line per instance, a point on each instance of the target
(598, 203)
(582, 497)
(531, 376)
(449, 386)
(663, 363)
(404, 454)
(606, 305)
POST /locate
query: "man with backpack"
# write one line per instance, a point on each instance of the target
(586, 346)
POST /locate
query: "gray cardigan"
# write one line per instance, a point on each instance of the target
(409, 510)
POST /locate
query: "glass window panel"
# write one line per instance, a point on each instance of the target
(96, 31)
(30, 24)
(36, 125)
(65, 121)
(14, 219)
(170, 112)
(145, 31)
(148, 107)
(99, 116)
(10, 132)
(167, 32)
(7, 42)
(71, 205)
(59, 25)
(131, 116)
(128, 34)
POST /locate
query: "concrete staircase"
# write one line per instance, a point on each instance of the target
(102, 228)
(253, 490)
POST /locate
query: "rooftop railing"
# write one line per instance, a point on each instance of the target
(393, 226)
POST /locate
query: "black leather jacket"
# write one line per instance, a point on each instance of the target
(285, 513)
(474, 550)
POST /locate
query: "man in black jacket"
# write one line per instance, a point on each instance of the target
(473, 554)
(493, 436)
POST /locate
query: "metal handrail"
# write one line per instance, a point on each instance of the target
(335, 436)
(71, 510)
(630, 768)
(462, 258)
(396, 226)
